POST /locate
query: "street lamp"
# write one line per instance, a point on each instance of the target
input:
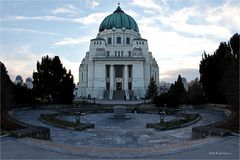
(77, 116)
(162, 115)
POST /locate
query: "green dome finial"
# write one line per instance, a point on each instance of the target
(118, 10)
(118, 19)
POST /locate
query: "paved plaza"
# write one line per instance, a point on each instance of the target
(121, 139)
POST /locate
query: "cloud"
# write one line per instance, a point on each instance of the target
(179, 21)
(177, 38)
(171, 75)
(22, 61)
(171, 44)
(154, 5)
(72, 41)
(27, 30)
(19, 61)
(94, 18)
(226, 15)
(132, 13)
(67, 9)
(94, 4)
(218, 22)
(35, 18)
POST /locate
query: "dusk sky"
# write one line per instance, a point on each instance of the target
(178, 31)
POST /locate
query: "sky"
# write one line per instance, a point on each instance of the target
(178, 31)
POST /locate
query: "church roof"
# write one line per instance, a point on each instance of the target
(118, 19)
(140, 39)
(97, 39)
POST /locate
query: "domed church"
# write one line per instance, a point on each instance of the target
(118, 65)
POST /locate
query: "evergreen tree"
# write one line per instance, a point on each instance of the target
(219, 73)
(67, 88)
(175, 95)
(195, 92)
(23, 95)
(52, 83)
(152, 91)
(6, 87)
(177, 92)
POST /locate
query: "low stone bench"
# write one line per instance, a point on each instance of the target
(35, 132)
(206, 131)
(84, 126)
(154, 125)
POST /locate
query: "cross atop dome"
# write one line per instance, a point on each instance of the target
(118, 10)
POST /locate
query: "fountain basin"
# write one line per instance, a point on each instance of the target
(119, 112)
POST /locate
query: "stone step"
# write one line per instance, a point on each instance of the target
(118, 94)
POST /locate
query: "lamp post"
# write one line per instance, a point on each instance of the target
(162, 115)
(78, 115)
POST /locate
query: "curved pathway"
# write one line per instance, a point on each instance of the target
(121, 142)
(119, 133)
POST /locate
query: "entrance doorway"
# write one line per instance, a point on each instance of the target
(119, 86)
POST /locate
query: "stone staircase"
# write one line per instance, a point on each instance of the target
(118, 94)
(131, 95)
(106, 94)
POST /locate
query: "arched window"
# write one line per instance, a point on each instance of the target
(109, 40)
(127, 40)
(119, 40)
(129, 53)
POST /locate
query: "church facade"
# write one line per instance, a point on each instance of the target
(118, 64)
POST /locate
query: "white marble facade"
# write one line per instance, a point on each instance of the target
(118, 63)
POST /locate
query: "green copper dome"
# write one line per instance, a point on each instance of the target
(118, 19)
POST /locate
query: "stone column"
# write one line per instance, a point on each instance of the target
(111, 77)
(125, 77)
(126, 81)
(124, 42)
(111, 82)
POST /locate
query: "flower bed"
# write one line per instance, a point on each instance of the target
(186, 120)
(53, 120)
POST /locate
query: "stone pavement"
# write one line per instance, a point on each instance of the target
(119, 133)
(120, 139)
(225, 148)
(209, 148)
(11, 148)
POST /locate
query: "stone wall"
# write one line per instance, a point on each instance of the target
(20, 129)
(206, 131)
